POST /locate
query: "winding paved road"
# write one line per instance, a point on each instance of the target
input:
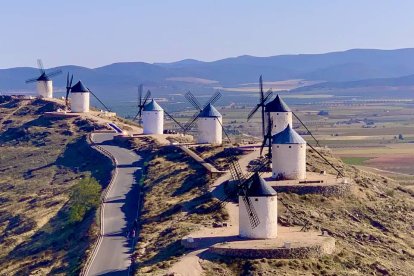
(120, 209)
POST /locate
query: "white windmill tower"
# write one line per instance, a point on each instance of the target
(257, 209)
(280, 114)
(209, 120)
(80, 98)
(153, 118)
(209, 126)
(288, 155)
(44, 83)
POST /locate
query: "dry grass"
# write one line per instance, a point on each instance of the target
(177, 202)
(40, 160)
(372, 226)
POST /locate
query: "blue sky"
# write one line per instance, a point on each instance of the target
(98, 32)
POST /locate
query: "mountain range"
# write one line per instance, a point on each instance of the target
(351, 68)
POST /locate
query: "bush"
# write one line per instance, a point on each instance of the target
(85, 197)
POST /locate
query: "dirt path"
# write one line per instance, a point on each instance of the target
(5, 118)
(189, 265)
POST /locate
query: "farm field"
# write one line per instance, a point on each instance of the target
(374, 134)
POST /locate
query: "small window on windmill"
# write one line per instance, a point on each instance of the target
(290, 147)
(277, 146)
(256, 199)
(277, 113)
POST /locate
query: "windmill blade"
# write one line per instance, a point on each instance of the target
(254, 110)
(253, 218)
(237, 173)
(263, 145)
(261, 88)
(225, 132)
(137, 115)
(40, 66)
(327, 161)
(140, 88)
(68, 87)
(296, 116)
(98, 100)
(147, 96)
(31, 80)
(190, 97)
(269, 135)
(172, 118)
(213, 98)
(267, 96)
(54, 73)
(191, 122)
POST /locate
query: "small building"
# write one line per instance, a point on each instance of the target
(80, 98)
(288, 155)
(44, 86)
(280, 114)
(153, 118)
(209, 126)
(263, 199)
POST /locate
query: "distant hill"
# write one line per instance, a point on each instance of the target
(377, 82)
(347, 66)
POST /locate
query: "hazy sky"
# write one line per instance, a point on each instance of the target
(97, 32)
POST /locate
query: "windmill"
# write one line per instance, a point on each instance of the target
(196, 104)
(44, 82)
(262, 102)
(248, 186)
(210, 127)
(141, 102)
(69, 81)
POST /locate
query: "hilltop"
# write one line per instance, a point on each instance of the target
(42, 162)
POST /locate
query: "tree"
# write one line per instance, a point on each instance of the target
(84, 198)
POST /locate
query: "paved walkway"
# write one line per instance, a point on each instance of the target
(119, 211)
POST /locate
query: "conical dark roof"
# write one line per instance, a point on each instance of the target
(277, 105)
(152, 106)
(288, 136)
(257, 186)
(43, 77)
(79, 88)
(209, 111)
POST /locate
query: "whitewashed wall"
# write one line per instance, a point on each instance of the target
(280, 121)
(80, 102)
(45, 89)
(210, 130)
(266, 209)
(153, 122)
(289, 160)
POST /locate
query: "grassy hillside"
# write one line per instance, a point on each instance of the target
(42, 161)
(372, 227)
(177, 202)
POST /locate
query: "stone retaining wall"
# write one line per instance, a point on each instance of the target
(326, 190)
(327, 247)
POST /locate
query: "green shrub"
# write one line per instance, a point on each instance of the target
(84, 198)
